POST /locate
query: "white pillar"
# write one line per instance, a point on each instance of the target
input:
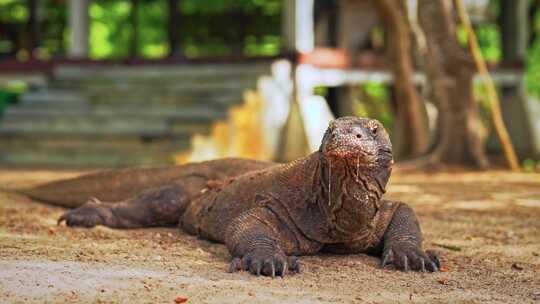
(298, 26)
(78, 24)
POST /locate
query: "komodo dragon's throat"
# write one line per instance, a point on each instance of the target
(266, 214)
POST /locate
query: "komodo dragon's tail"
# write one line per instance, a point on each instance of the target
(118, 185)
(109, 186)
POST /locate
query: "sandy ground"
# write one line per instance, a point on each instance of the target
(485, 225)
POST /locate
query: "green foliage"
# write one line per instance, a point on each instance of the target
(533, 61)
(13, 11)
(530, 165)
(207, 27)
(372, 99)
(109, 29)
(489, 40)
(152, 26)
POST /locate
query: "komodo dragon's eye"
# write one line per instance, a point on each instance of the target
(373, 127)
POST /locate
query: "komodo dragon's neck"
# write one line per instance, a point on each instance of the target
(347, 193)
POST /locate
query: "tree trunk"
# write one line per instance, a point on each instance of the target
(134, 20)
(450, 70)
(173, 33)
(410, 108)
(31, 28)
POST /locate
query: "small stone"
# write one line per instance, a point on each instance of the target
(180, 300)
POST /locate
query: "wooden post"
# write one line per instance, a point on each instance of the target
(175, 49)
(514, 25)
(31, 28)
(298, 26)
(78, 23)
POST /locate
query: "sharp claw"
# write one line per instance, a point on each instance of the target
(422, 265)
(433, 267)
(257, 267)
(246, 261)
(235, 265)
(405, 263)
(60, 220)
(437, 261)
(273, 269)
(386, 258)
(434, 257)
(283, 268)
(95, 200)
(268, 268)
(294, 265)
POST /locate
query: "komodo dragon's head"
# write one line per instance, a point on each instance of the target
(356, 162)
(360, 141)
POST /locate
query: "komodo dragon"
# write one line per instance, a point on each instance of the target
(266, 214)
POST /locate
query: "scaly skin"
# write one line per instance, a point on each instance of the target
(268, 214)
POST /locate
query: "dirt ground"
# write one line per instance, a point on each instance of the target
(485, 225)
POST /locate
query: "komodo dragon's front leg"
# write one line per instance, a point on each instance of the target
(262, 243)
(401, 243)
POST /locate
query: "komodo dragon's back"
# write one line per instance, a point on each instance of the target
(118, 185)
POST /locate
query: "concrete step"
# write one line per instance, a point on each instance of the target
(176, 84)
(81, 153)
(141, 97)
(118, 116)
(160, 72)
(200, 114)
(133, 96)
(50, 95)
(93, 130)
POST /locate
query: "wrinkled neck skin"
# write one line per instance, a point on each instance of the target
(348, 192)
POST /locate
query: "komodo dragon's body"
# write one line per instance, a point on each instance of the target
(265, 213)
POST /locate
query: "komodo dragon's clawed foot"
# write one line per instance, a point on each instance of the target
(266, 264)
(91, 214)
(406, 257)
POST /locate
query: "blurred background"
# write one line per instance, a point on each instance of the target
(96, 83)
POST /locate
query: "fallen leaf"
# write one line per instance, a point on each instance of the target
(179, 300)
(516, 266)
(443, 269)
(443, 281)
(449, 247)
